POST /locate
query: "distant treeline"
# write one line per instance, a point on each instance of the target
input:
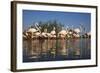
(49, 25)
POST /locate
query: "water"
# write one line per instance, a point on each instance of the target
(37, 50)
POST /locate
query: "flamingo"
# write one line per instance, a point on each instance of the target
(37, 27)
(53, 41)
(38, 33)
(76, 32)
(53, 33)
(62, 41)
(44, 34)
(31, 32)
(25, 34)
(34, 32)
(62, 33)
(89, 33)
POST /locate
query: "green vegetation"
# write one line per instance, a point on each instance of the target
(49, 25)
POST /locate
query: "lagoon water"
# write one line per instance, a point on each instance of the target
(37, 50)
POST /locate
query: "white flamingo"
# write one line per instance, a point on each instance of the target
(44, 34)
(77, 32)
(31, 32)
(25, 35)
(53, 33)
(38, 33)
(34, 32)
(37, 27)
(63, 32)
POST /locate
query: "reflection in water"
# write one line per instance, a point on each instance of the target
(50, 49)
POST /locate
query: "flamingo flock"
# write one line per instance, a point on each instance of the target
(64, 33)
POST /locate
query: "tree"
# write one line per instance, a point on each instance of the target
(49, 25)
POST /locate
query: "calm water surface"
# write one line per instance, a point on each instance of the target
(56, 50)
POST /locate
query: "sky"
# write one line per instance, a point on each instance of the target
(66, 18)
